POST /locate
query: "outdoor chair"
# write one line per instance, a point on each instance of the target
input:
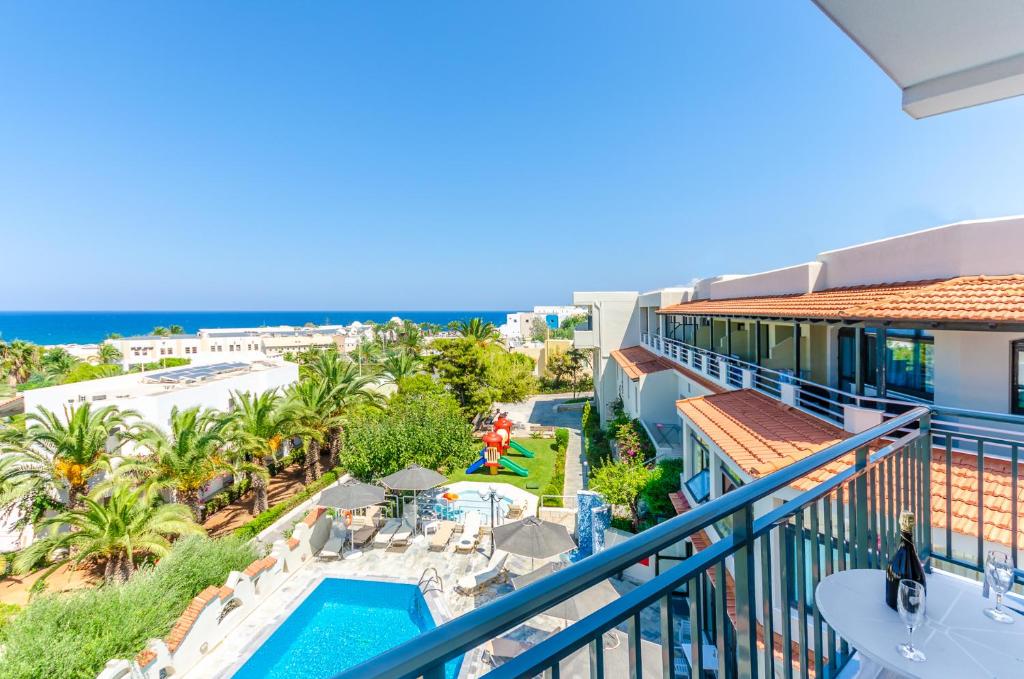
(401, 536)
(335, 545)
(470, 584)
(439, 540)
(470, 533)
(362, 534)
(501, 650)
(387, 531)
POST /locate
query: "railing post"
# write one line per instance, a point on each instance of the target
(926, 489)
(860, 491)
(746, 594)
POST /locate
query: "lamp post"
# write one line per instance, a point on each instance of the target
(492, 495)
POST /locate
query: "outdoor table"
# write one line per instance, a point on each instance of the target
(957, 638)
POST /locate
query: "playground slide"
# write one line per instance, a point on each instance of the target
(512, 466)
(520, 449)
(479, 462)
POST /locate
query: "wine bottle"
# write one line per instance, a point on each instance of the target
(904, 564)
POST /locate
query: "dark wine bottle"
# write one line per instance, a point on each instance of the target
(904, 564)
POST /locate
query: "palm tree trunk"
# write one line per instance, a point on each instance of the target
(335, 448)
(259, 492)
(111, 568)
(311, 465)
(191, 498)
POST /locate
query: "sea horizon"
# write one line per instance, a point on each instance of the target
(89, 327)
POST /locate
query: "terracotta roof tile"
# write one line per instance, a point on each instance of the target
(188, 618)
(260, 565)
(313, 515)
(225, 592)
(972, 299)
(761, 436)
(293, 543)
(636, 361)
(145, 657)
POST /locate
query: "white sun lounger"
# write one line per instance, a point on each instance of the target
(384, 535)
(402, 535)
(469, 584)
(335, 544)
(470, 533)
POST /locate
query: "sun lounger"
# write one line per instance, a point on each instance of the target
(439, 540)
(402, 535)
(470, 533)
(503, 649)
(469, 584)
(387, 531)
(362, 534)
(335, 544)
(517, 509)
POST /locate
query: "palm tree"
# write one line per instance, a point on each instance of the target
(256, 428)
(184, 460)
(366, 354)
(57, 362)
(314, 401)
(176, 330)
(108, 354)
(58, 455)
(348, 388)
(115, 529)
(160, 331)
(478, 329)
(398, 365)
(21, 360)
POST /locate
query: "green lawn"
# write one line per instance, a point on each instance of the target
(541, 467)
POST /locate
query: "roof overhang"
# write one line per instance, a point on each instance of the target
(945, 55)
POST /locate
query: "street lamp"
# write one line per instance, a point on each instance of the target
(492, 495)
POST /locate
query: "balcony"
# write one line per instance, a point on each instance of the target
(583, 336)
(760, 594)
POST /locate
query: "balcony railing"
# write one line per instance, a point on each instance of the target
(849, 522)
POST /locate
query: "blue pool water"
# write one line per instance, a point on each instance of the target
(340, 624)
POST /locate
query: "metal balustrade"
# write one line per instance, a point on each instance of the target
(847, 521)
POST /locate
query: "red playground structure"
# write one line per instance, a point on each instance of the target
(495, 451)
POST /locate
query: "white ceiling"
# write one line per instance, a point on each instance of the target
(944, 54)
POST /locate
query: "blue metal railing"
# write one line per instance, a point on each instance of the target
(856, 509)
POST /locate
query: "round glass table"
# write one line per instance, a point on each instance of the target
(956, 637)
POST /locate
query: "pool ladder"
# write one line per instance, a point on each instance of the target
(430, 580)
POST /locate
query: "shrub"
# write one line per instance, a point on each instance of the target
(556, 485)
(664, 480)
(594, 440)
(561, 439)
(73, 635)
(621, 483)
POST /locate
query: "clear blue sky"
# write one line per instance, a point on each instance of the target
(421, 155)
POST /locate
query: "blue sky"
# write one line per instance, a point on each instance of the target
(416, 155)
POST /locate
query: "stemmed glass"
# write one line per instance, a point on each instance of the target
(910, 604)
(999, 572)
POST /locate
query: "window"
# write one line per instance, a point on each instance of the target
(1017, 385)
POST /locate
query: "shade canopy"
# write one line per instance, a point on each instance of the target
(414, 477)
(353, 495)
(533, 538)
(578, 607)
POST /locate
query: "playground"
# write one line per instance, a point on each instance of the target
(538, 468)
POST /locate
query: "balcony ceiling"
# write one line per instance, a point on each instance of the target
(944, 54)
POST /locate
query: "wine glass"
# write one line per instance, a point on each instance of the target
(910, 604)
(999, 573)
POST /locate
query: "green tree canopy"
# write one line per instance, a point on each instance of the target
(622, 483)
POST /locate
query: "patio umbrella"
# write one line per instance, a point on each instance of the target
(354, 495)
(414, 478)
(533, 538)
(578, 607)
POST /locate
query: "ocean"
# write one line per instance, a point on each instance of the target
(87, 327)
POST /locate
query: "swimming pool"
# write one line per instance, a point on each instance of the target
(471, 502)
(340, 624)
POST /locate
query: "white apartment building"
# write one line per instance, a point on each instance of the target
(519, 325)
(741, 375)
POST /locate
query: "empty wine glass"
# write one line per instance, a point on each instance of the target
(999, 573)
(910, 604)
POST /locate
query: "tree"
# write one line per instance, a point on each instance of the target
(509, 375)
(410, 336)
(83, 372)
(398, 365)
(314, 402)
(184, 460)
(57, 362)
(255, 429)
(57, 456)
(622, 483)
(21, 359)
(114, 335)
(461, 366)
(478, 329)
(567, 328)
(116, 529)
(366, 354)
(161, 331)
(176, 330)
(569, 367)
(349, 390)
(425, 429)
(109, 354)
